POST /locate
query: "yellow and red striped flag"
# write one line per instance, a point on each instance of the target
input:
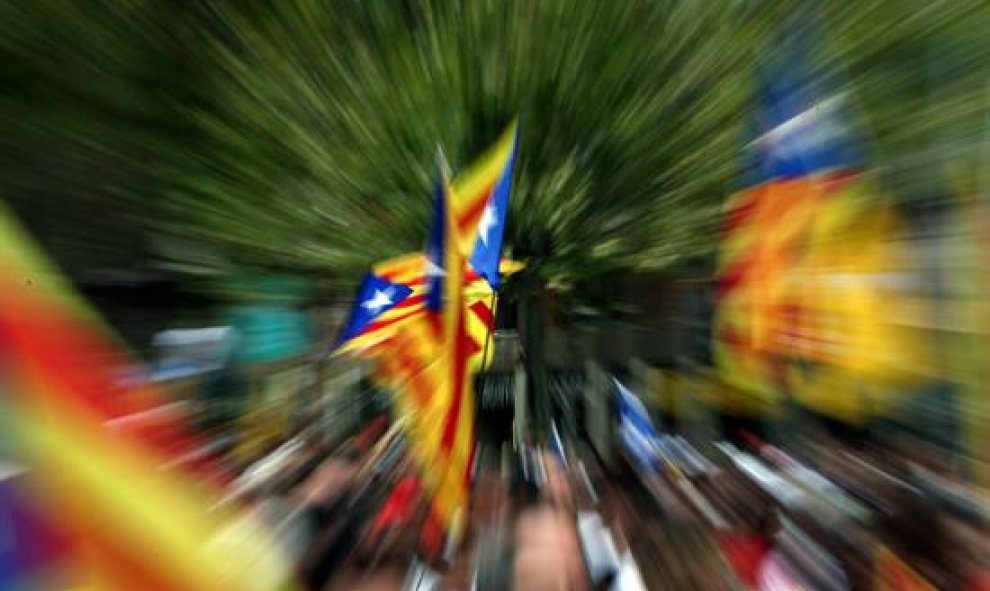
(370, 337)
(394, 290)
(472, 189)
(801, 153)
(430, 356)
(481, 205)
(130, 523)
(426, 320)
(762, 236)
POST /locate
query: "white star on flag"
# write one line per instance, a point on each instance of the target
(379, 301)
(489, 219)
(434, 270)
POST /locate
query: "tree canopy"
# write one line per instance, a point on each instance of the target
(299, 134)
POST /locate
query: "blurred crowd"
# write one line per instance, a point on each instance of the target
(826, 513)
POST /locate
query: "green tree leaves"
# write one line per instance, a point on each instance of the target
(301, 133)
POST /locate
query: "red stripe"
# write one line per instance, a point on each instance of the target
(484, 313)
(402, 269)
(472, 347)
(435, 324)
(740, 213)
(412, 372)
(470, 217)
(461, 354)
(732, 338)
(786, 198)
(432, 536)
(60, 350)
(412, 300)
(420, 280)
(383, 324)
(79, 366)
(731, 278)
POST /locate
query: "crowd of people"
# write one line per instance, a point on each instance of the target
(830, 514)
(823, 513)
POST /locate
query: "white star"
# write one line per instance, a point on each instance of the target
(434, 270)
(379, 301)
(488, 221)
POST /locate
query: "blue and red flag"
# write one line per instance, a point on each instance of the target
(481, 205)
(376, 296)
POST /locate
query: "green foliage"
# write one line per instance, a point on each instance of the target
(300, 134)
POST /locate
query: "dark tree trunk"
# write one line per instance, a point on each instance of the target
(534, 311)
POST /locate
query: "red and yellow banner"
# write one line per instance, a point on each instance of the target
(814, 297)
(132, 523)
(409, 270)
(762, 238)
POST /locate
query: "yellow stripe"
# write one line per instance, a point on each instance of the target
(95, 482)
(403, 264)
(112, 491)
(478, 176)
(485, 169)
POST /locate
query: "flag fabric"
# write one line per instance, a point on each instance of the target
(130, 522)
(479, 204)
(373, 334)
(451, 469)
(845, 300)
(405, 271)
(428, 345)
(806, 295)
(481, 198)
(430, 356)
(376, 295)
(636, 430)
(443, 266)
(34, 553)
(799, 152)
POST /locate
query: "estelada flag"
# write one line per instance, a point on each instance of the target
(132, 516)
(393, 293)
(435, 391)
(799, 144)
(481, 204)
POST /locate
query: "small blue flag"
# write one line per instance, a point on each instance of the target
(636, 430)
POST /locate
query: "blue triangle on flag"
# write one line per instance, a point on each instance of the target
(491, 231)
(376, 296)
